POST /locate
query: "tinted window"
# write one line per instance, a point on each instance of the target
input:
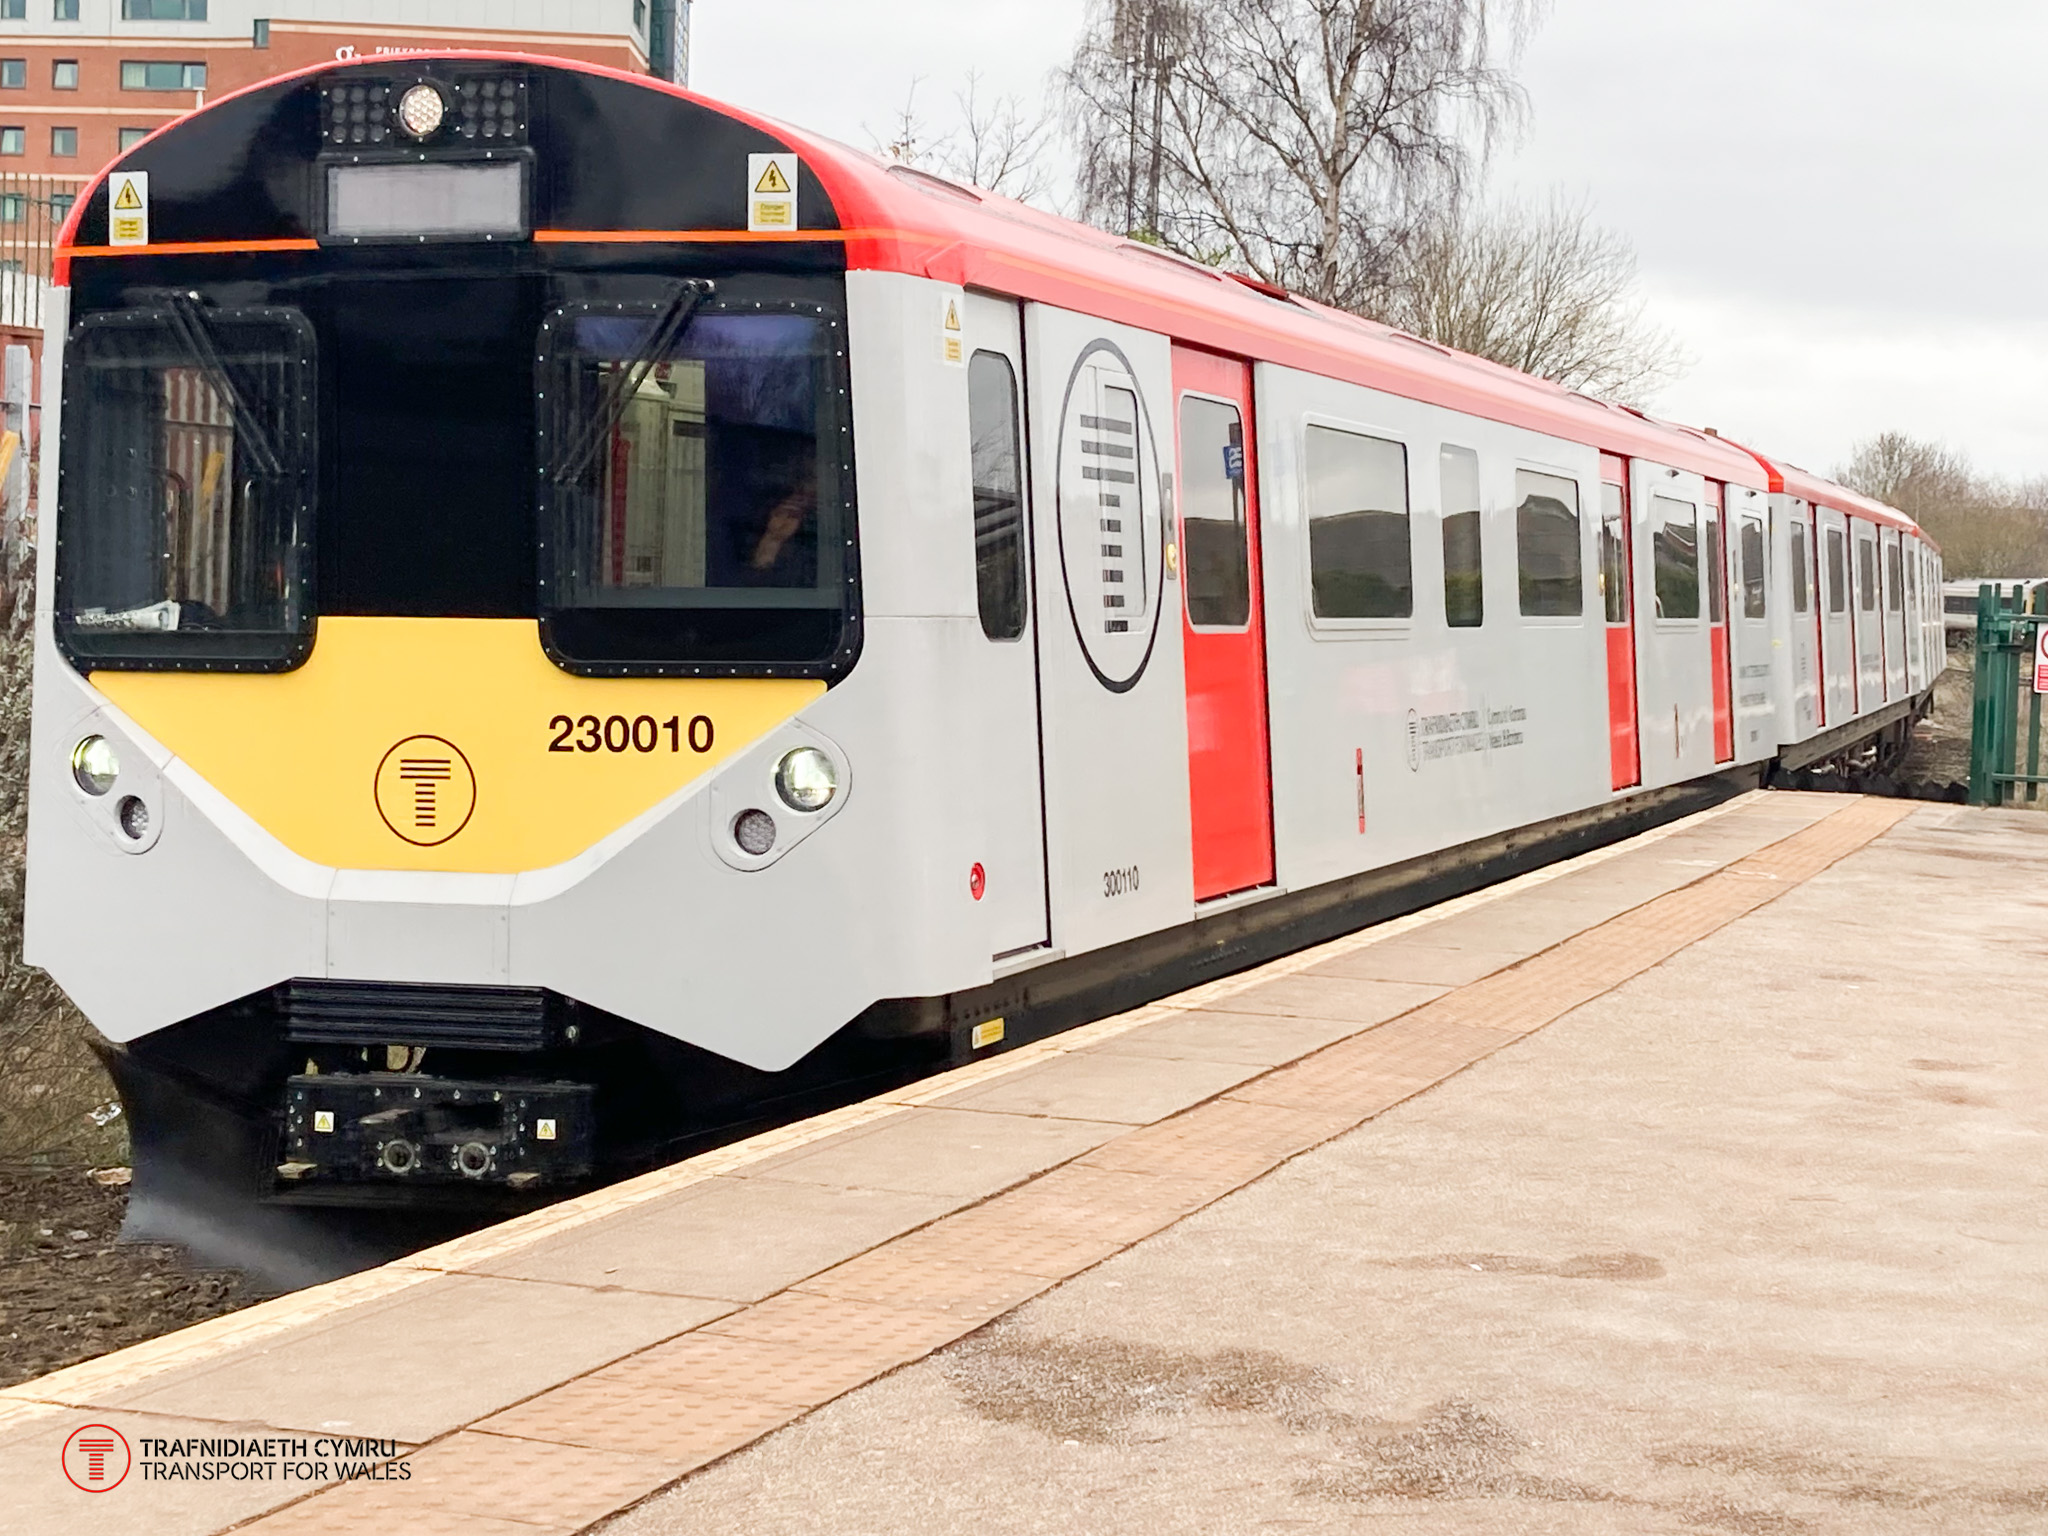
(1717, 568)
(1215, 558)
(186, 510)
(1894, 582)
(999, 555)
(1360, 566)
(1801, 596)
(1838, 571)
(1755, 581)
(1614, 574)
(1676, 543)
(1464, 569)
(1547, 548)
(696, 487)
(1866, 575)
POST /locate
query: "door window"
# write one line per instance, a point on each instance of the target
(1677, 549)
(1800, 594)
(1717, 569)
(1894, 580)
(1464, 569)
(1838, 571)
(1551, 560)
(999, 556)
(1215, 548)
(1866, 575)
(1614, 583)
(1755, 584)
(1360, 564)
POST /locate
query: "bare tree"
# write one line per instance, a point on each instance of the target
(1304, 141)
(995, 143)
(1986, 527)
(1543, 290)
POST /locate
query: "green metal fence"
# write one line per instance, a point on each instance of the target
(2006, 709)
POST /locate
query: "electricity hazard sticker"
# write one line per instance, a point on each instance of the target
(128, 208)
(771, 193)
(952, 332)
(2041, 658)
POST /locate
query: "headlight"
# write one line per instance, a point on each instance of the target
(95, 765)
(754, 831)
(134, 818)
(806, 780)
(421, 111)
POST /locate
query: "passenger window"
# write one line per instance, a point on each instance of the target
(1755, 583)
(1614, 573)
(1215, 552)
(1000, 561)
(1551, 559)
(1866, 575)
(1677, 549)
(1800, 594)
(1894, 581)
(1360, 564)
(1717, 568)
(1838, 571)
(1464, 570)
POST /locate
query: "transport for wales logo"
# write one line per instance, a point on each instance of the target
(96, 1458)
(426, 790)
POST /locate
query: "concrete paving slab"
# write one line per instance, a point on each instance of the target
(1089, 1085)
(1416, 961)
(1752, 1244)
(734, 1239)
(1360, 1004)
(426, 1362)
(1248, 1038)
(968, 1154)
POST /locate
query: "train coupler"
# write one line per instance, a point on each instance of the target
(393, 1127)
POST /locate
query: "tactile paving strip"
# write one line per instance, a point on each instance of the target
(580, 1452)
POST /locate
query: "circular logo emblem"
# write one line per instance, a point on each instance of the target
(1112, 539)
(426, 790)
(96, 1458)
(977, 882)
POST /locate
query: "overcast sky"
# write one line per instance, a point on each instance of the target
(1841, 206)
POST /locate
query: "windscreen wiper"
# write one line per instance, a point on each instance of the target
(189, 324)
(627, 379)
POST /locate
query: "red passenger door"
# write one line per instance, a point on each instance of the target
(1617, 577)
(1229, 772)
(1717, 623)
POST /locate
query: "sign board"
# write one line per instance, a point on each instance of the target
(128, 208)
(2041, 658)
(771, 194)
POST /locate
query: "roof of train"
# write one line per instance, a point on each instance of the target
(1791, 480)
(896, 219)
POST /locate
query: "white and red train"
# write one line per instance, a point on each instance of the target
(568, 607)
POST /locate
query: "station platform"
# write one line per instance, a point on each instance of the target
(1693, 1185)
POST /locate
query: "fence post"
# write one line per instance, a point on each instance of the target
(1983, 700)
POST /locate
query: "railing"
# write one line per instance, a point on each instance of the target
(32, 211)
(2008, 640)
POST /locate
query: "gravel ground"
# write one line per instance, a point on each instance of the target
(69, 1293)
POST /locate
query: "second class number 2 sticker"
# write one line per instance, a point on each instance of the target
(771, 193)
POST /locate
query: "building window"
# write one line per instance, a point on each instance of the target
(261, 36)
(1464, 578)
(13, 207)
(163, 10)
(13, 10)
(1360, 564)
(130, 137)
(63, 143)
(640, 16)
(14, 74)
(1547, 547)
(64, 10)
(64, 75)
(13, 141)
(60, 205)
(161, 75)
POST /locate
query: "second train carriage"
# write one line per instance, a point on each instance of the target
(566, 602)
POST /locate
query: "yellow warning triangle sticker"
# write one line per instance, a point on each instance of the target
(952, 316)
(126, 200)
(772, 179)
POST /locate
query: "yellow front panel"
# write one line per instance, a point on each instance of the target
(447, 744)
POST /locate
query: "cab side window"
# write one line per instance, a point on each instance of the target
(1000, 561)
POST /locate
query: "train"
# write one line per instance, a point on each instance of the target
(570, 612)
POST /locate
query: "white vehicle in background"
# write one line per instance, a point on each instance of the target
(1959, 601)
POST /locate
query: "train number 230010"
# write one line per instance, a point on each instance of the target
(643, 734)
